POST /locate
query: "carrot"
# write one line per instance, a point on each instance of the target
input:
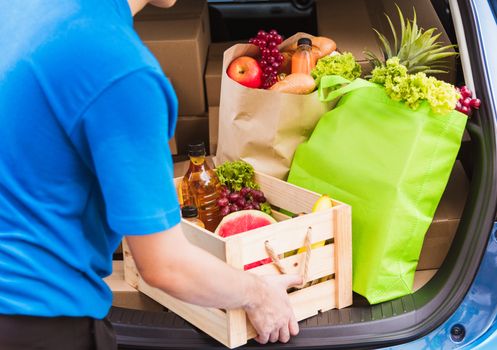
(296, 83)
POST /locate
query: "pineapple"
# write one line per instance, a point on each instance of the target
(417, 49)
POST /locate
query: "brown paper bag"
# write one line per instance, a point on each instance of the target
(263, 127)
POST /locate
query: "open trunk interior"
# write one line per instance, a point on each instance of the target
(455, 241)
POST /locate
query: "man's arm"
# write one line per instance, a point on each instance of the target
(168, 261)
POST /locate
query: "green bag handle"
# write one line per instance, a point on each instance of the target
(330, 81)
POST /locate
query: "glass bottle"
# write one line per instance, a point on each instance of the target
(303, 59)
(190, 213)
(201, 187)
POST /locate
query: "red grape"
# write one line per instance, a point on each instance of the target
(272, 45)
(465, 91)
(271, 59)
(275, 66)
(466, 102)
(465, 110)
(273, 32)
(475, 103)
(268, 70)
(278, 39)
(262, 43)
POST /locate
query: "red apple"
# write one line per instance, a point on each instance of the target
(246, 71)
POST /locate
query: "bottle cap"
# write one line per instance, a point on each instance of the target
(304, 41)
(189, 211)
(196, 149)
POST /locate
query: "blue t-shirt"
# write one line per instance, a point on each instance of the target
(85, 117)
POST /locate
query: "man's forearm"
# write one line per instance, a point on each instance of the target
(189, 273)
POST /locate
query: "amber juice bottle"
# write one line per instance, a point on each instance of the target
(303, 60)
(201, 187)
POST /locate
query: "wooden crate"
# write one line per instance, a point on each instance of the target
(334, 259)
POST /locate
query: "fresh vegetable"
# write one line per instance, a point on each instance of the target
(239, 190)
(344, 65)
(236, 175)
(296, 83)
(414, 88)
(417, 49)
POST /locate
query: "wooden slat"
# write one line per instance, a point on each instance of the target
(343, 256)
(131, 275)
(286, 235)
(204, 239)
(279, 216)
(321, 264)
(236, 319)
(210, 320)
(308, 302)
(285, 195)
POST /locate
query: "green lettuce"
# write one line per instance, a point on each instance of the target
(344, 65)
(412, 89)
(236, 175)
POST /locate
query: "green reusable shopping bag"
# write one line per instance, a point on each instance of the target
(391, 164)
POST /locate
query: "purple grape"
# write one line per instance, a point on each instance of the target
(222, 202)
(225, 210)
(249, 205)
(256, 206)
(233, 208)
(244, 191)
(258, 196)
(233, 197)
(240, 202)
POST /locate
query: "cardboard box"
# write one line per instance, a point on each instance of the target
(213, 128)
(179, 38)
(328, 265)
(441, 233)
(213, 71)
(123, 295)
(191, 129)
(348, 23)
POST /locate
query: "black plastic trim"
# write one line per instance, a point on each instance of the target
(387, 324)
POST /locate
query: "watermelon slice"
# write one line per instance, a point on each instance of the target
(242, 221)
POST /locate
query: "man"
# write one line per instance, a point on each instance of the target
(85, 115)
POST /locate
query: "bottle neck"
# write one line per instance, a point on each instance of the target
(198, 163)
(304, 47)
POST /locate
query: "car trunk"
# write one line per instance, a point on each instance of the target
(457, 237)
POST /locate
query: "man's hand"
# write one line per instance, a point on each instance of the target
(271, 313)
(167, 260)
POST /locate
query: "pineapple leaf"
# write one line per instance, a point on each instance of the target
(386, 44)
(394, 33)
